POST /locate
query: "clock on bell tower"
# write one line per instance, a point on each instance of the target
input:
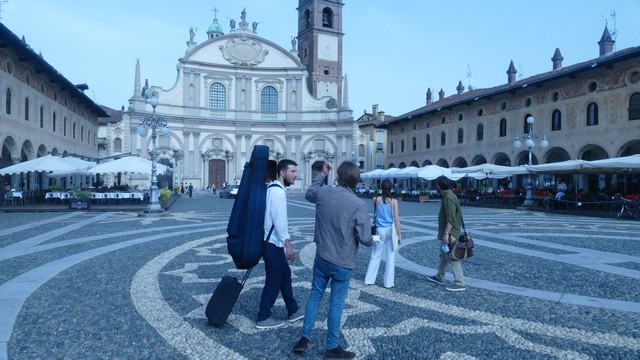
(320, 46)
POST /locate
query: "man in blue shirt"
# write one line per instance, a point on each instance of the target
(278, 249)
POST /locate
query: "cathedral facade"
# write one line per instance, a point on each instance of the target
(236, 90)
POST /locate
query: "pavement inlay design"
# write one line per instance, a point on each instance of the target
(570, 297)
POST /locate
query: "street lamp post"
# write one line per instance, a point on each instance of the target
(153, 122)
(530, 144)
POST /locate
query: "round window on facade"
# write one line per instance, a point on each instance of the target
(634, 77)
(592, 86)
(460, 117)
(503, 106)
(527, 103)
(479, 112)
(555, 96)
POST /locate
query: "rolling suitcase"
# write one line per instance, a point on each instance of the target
(224, 298)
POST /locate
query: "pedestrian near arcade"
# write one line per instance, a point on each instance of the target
(190, 190)
(342, 223)
(277, 250)
(449, 225)
(387, 214)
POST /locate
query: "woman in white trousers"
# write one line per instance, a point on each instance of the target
(387, 217)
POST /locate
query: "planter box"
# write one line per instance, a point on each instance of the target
(79, 205)
(424, 198)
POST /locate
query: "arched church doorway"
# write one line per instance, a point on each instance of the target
(217, 173)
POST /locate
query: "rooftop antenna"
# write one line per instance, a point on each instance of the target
(2, 2)
(520, 72)
(469, 77)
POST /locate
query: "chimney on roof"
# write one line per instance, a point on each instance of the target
(557, 59)
(381, 115)
(441, 95)
(460, 87)
(429, 97)
(511, 73)
(374, 111)
(606, 42)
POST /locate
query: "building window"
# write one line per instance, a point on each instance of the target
(8, 104)
(81, 133)
(88, 136)
(64, 127)
(26, 109)
(634, 107)
(269, 100)
(391, 148)
(117, 145)
(428, 141)
(401, 146)
(480, 132)
(443, 139)
(74, 130)
(53, 122)
(460, 136)
(217, 97)
(414, 144)
(41, 116)
(503, 127)
(307, 19)
(592, 114)
(327, 18)
(556, 120)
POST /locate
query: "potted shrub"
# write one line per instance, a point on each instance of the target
(80, 199)
(165, 194)
(423, 194)
(176, 189)
(398, 193)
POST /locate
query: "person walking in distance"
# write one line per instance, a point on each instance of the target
(449, 225)
(190, 189)
(342, 223)
(277, 250)
(387, 214)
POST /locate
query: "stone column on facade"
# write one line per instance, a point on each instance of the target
(187, 167)
(196, 153)
(339, 149)
(297, 150)
(288, 154)
(238, 159)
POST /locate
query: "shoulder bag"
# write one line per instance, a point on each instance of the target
(374, 228)
(463, 247)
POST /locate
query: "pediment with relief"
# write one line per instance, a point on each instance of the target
(243, 51)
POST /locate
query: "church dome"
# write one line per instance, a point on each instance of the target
(215, 29)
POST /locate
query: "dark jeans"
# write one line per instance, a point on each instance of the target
(278, 280)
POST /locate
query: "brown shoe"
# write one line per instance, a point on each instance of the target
(302, 346)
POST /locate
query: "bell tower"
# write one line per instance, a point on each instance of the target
(320, 46)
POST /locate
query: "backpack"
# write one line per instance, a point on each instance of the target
(245, 229)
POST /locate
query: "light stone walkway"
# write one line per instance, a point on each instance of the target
(187, 257)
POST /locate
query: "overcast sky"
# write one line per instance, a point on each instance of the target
(393, 50)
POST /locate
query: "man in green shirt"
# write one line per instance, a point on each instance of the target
(449, 224)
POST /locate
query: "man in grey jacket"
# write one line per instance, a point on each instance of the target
(342, 223)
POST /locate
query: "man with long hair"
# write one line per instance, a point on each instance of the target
(342, 223)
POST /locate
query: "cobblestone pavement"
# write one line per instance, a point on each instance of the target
(112, 285)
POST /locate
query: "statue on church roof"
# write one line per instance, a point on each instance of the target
(232, 24)
(243, 15)
(254, 25)
(192, 34)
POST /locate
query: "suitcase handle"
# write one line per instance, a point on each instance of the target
(246, 276)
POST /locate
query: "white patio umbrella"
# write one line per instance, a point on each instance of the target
(568, 166)
(621, 163)
(491, 171)
(373, 174)
(407, 173)
(81, 167)
(431, 172)
(127, 165)
(46, 163)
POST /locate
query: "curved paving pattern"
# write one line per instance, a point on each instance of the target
(82, 285)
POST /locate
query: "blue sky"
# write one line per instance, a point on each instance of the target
(393, 50)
